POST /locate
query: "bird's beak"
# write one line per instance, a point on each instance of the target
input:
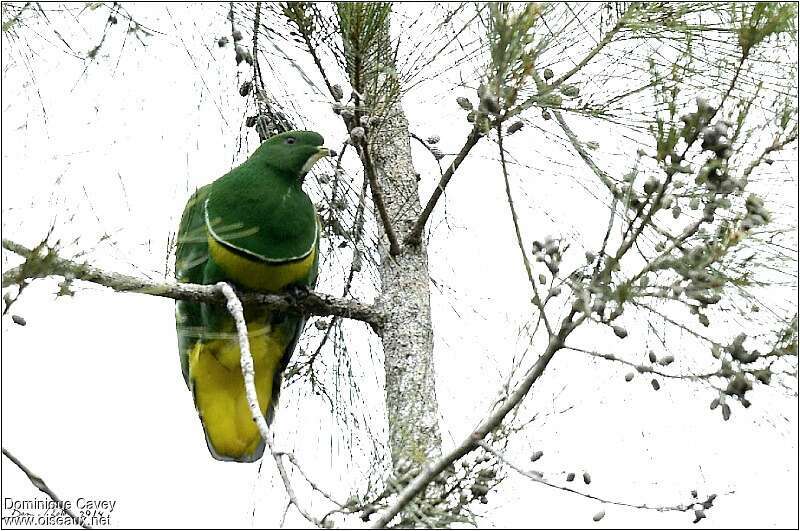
(322, 151)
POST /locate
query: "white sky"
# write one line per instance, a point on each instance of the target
(92, 395)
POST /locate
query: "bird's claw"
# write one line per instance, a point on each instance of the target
(298, 292)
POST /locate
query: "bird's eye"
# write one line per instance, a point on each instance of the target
(290, 140)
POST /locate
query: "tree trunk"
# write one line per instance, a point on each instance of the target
(405, 299)
(385, 151)
(405, 282)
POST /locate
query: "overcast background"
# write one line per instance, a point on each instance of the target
(92, 395)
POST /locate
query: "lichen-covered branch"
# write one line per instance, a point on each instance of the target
(48, 263)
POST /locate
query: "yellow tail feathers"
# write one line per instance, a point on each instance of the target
(218, 387)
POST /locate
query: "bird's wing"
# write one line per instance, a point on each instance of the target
(191, 255)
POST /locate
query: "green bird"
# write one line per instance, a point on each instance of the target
(254, 227)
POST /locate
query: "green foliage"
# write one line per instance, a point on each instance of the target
(14, 18)
(665, 130)
(623, 292)
(364, 27)
(512, 48)
(362, 23)
(756, 22)
(788, 111)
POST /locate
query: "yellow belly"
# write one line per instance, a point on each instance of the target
(218, 387)
(260, 275)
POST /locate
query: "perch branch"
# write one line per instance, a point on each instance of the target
(49, 264)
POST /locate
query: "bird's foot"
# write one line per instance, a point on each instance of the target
(298, 292)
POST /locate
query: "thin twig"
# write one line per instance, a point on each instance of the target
(679, 325)
(42, 486)
(285, 512)
(236, 310)
(583, 153)
(536, 299)
(337, 173)
(256, 22)
(377, 199)
(310, 481)
(436, 155)
(775, 146)
(288, 485)
(313, 51)
(643, 368)
(602, 252)
(415, 235)
(660, 508)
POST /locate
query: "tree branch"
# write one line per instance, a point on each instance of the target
(42, 486)
(433, 468)
(236, 310)
(377, 198)
(49, 264)
(415, 235)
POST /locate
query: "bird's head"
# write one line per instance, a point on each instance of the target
(292, 152)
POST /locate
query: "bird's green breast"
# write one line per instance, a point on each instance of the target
(261, 213)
